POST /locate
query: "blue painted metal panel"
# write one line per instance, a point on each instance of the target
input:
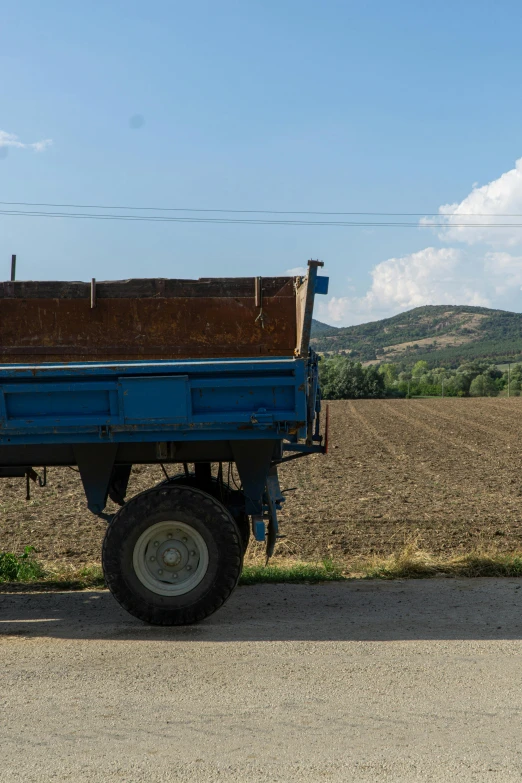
(33, 405)
(151, 401)
(155, 399)
(193, 367)
(321, 284)
(243, 400)
(75, 435)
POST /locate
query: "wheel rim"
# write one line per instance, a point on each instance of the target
(170, 558)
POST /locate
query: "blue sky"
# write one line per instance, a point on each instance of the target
(332, 106)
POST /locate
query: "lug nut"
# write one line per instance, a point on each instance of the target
(184, 539)
(193, 553)
(152, 558)
(189, 568)
(156, 543)
(160, 571)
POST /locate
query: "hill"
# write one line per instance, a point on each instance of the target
(446, 335)
(322, 330)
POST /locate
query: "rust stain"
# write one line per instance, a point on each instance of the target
(68, 330)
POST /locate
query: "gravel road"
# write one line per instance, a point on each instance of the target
(357, 681)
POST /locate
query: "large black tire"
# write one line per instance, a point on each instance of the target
(233, 499)
(194, 511)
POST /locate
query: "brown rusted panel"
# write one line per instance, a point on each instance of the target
(146, 288)
(148, 327)
(300, 301)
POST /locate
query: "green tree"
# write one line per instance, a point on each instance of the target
(516, 373)
(343, 379)
(419, 368)
(390, 373)
(456, 386)
(483, 386)
(373, 384)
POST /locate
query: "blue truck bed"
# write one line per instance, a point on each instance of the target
(173, 554)
(144, 401)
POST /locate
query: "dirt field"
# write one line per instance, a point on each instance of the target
(446, 472)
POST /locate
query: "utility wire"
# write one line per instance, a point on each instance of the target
(251, 221)
(257, 211)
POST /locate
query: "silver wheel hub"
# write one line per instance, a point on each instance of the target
(170, 558)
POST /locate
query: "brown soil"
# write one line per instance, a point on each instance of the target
(446, 472)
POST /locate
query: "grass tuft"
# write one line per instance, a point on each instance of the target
(20, 568)
(413, 563)
(408, 563)
(327, 571)
(24, 569)
(65, 577)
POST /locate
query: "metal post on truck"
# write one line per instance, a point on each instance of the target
(305, 308)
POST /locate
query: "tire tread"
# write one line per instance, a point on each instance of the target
(224, 531)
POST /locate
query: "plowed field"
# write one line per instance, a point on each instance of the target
(447, 472)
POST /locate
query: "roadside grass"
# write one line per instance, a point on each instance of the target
(413, 563)
(20, 568)
(25, 572)
(291, 571)
(62, 576)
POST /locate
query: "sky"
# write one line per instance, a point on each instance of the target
(403, 107)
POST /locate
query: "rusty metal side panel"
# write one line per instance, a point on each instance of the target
(64, 330)
(300, 304)
(304, 308)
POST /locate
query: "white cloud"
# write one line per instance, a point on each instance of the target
(504, 272)
(489, 276)
(413, 280)
(10, 140)
(296, 270)
(502, 196)
(430, 276)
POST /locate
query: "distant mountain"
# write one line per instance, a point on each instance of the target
(446, 335)
(322, 330)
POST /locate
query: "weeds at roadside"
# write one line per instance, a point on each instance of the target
(20, 568)
(413, 563)
(326, 571)
(19, 572)
(25, 569)
(69, 578)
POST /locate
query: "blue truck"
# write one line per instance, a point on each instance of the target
(212, 379)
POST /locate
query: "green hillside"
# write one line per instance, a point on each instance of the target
(321, 330)
(442, 335)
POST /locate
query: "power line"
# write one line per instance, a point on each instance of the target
(258, 211)
(250, 221)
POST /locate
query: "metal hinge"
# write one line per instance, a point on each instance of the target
(262, 417)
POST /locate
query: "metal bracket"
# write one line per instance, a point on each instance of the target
(165, 450)
(118, 484)
(258, 527)
(262, 417)
(259, 300)
(274, 498)
(305, 296)
(32, 475)
(95, 462)
(253, 460)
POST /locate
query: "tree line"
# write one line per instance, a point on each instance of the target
(342, 378)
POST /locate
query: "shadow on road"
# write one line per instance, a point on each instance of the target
(349, 611)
